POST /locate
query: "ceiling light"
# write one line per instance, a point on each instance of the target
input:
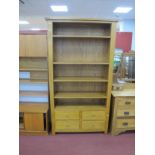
(23, 22)
(122, 9)
(35, 29)
(59, 8)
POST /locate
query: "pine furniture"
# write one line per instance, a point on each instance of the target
(33, 83)
(80, 55)
(122, 111)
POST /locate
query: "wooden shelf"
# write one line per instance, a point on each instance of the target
(32, 69)
(79, 107)
(81, 36)
(33, 93)
(79, 95)
(80, 79)
(81, 63)
(33, 108)
(33, 81)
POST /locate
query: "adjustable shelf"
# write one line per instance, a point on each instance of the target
(81, 36)
(81, 63)
(81, 95)
(80, 79)
(33, 69)
(33, 93)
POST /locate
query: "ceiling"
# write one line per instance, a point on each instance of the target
(35, 11)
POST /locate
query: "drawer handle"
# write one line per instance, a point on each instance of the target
(126, 113)
(125, 124)
(127, 102)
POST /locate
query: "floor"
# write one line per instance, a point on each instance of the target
(78, 144)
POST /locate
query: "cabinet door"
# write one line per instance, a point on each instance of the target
(22, 45)
(33, 122)
(36, 45)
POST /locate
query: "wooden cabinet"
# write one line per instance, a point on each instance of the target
(34, 119)
(31, 45)
(79, 118)
(33, 84)
(123, 111)
(80, 55)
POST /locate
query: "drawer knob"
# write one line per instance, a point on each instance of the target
(125, 124)
(127, 102)
(126, 113)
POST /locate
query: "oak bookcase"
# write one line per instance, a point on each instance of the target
(33, 84)
(80, 61)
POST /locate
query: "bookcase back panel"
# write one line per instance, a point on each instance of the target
(80, 87)
(39, 75)
(72, 102)
(81, 29)
(81, 50)
(33, 63)
(81, 71)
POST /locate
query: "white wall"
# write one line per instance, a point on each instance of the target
(128, 26)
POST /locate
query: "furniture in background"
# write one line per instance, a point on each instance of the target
(80, 56)
(33, 119)
(33, 83)
(123, 110)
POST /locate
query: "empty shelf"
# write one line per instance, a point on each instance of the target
(81, 36)
(81, 63)
(80, 79)
(80, 95)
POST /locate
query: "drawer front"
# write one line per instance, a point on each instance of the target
(124, 112)
(125, 101)
(67, 125)
(93, 125)
(125, 123)
(65, 115)
(93, 115)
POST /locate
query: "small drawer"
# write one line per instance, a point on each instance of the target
(125, 101)
(124, 112)
(67, 125)
(64, 115)
(93, 125)
(93, 115)
(125, 123)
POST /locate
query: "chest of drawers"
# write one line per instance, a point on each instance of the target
(122, 111)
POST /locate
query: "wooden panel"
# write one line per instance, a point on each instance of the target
(93, 115)
(81, 29)
(33, 63)
(63, 115)
(93, 125)
(125, 123)
(36, 45)
(39, 75)
(33, 108)
(33, 122)
(125, 112)
(66, 125)
(75, 50)
(125, 102)
(81, 71)
(22, 45)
